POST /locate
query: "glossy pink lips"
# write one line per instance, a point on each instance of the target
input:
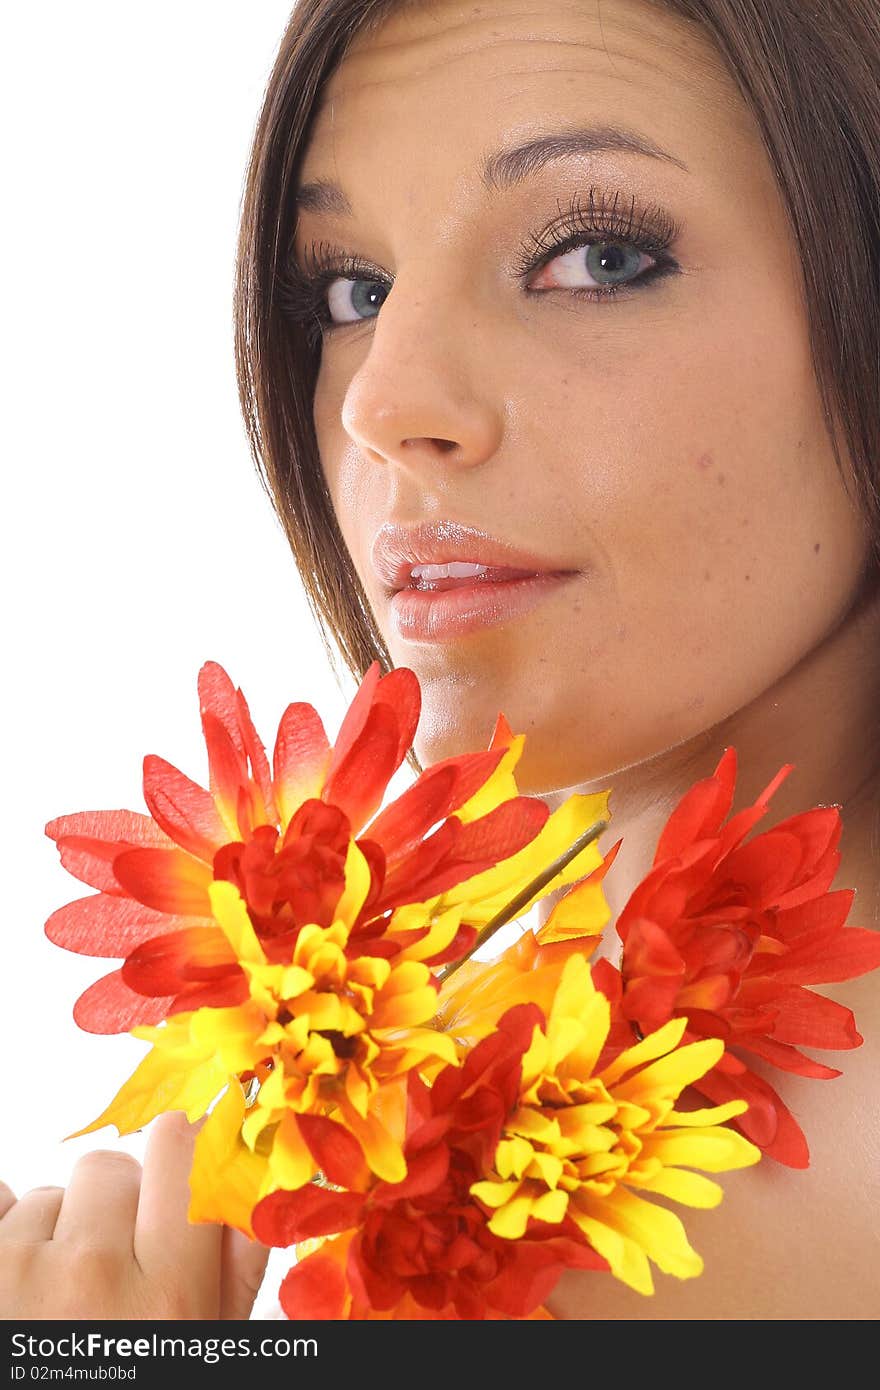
(444, 578)
(437, 615)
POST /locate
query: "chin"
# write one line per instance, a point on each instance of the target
(543, 766)
(563, 750)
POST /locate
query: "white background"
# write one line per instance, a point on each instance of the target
(137, 541)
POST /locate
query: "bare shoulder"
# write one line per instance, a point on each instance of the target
(784, 1243)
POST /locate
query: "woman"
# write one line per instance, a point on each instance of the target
(628, 367)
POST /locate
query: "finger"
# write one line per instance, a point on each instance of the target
(244, 1265)
(101, 1199)
(164, 1237)
(7, 1199)
(33, 1216)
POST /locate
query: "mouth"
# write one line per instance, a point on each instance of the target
(461, 574)
(444, 579)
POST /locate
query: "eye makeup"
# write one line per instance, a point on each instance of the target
(302, 289)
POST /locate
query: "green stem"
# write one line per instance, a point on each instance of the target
(510, 910)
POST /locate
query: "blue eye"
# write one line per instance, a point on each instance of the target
(606, 263)
(616, 249)
(350, 301)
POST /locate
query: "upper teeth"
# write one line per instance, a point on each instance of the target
(456, 569)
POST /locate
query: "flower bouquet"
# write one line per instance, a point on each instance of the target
(435, 1134)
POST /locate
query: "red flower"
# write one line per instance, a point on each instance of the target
(426, 1240)
(282, 836)
(730, 934)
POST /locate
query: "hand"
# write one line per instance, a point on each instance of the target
(116, 1243)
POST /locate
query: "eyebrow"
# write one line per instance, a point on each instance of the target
(505, 168)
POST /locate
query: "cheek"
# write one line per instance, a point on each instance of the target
(734, 481)
(731, 547)
(346, 475)
(720, 543)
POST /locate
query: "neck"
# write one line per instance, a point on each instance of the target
(823, 717)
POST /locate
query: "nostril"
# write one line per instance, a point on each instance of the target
(444, 445)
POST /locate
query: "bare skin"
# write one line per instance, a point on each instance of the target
(116, 1244)
(667, 444)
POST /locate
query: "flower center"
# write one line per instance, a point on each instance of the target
(299, 881)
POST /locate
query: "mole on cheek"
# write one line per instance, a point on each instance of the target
(817, 547)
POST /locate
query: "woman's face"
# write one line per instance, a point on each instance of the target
(640, 413)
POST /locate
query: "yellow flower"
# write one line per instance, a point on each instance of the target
(592, 1146)
(285, 976)
(322, 1034)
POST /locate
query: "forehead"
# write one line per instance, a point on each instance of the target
(438, 79)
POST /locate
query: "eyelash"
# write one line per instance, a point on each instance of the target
(302, 291)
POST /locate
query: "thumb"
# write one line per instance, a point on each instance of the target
(242, 1270)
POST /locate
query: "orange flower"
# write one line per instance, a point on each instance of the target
(523, 1161)
(318, 1288)
(426, 1242)
(728, 934)
(271, 948)
(282, 837)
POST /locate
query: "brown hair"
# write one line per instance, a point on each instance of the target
(810, 72)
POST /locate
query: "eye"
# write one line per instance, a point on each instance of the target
(601, 266)
(351, 301)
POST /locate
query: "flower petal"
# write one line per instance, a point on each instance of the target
(399, 690)
(768, 1122)
(183, 809)
(655, 1229)
(184, 1078)
(291, 1160)
(337, 1153)
(403, 824)
(583, 910)
(166, 964)
(383, 1153)
(104, 924)
(691, 1189)
(231, 913)
(228, 775)
(217, 697)
(468, 850)
(824, 957)
(714, 1149)
(436, 793)
(110, 1006)
(89, 842)
(300, 760)
(226, 1177)
(700, 811)
(315, 1288)
(261, 778)
(490, 890)
(358, 782)
(169, 880)
(285, 1218)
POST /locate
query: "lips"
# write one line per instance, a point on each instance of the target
(445, 580)
(398, 549)
(459, 575)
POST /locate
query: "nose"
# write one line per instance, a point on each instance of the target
(422, 396)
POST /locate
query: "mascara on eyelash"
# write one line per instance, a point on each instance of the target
(302, 289)
(653, 230)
